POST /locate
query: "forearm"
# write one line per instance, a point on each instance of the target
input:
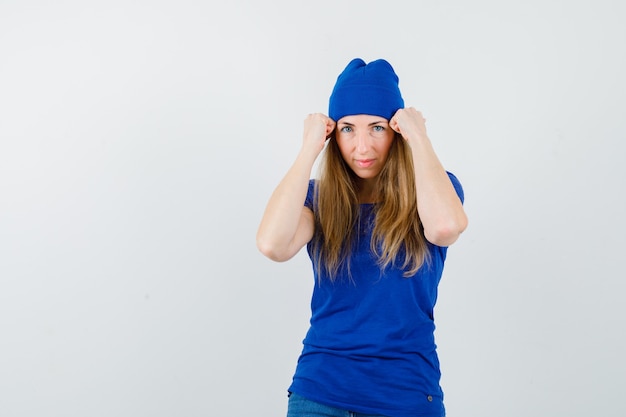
(439, 206)
(283, 212)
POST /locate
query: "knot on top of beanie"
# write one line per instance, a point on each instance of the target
(366, 89)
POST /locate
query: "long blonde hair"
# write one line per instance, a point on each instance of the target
(397, 224)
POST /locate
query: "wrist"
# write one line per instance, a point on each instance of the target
(308, 154)
(416, 140)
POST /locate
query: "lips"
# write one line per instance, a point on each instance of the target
(364, 163)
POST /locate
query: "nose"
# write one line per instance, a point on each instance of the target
(362, 142)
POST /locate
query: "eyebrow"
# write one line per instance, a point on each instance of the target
(369, 124)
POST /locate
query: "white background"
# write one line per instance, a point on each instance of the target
(140, 141)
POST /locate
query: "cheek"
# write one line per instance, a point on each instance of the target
(384, 147)
(344, 148)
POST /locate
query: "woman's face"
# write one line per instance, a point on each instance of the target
(364, 142)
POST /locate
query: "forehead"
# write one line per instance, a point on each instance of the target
(361, 119)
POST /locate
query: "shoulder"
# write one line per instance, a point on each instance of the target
(310, 195)
(457, 185)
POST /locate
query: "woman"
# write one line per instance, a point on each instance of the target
(377, 224)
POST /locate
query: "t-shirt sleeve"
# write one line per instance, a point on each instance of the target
(309, 195)
(457, 186)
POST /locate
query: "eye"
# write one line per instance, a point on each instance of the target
(346, 129)
(378, 128)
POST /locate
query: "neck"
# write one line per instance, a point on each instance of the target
(367, 191)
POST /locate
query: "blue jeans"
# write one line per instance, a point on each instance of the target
(301, 407)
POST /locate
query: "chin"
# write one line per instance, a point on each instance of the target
(366, 175)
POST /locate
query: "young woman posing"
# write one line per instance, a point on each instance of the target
(377, 224)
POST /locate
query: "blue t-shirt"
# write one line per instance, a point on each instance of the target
(370, 347)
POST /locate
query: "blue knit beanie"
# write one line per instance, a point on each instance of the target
(366, 89)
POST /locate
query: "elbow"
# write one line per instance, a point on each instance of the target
(271, 251)
(446, 233)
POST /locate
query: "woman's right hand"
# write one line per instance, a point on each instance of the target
(317, 129)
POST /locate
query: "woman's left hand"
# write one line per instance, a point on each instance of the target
(410, 123)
